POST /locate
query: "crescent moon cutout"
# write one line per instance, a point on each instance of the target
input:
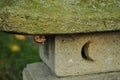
(84, 52)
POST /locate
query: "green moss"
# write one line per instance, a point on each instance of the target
(59, 16)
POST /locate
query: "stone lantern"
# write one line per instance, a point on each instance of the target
(82, 37)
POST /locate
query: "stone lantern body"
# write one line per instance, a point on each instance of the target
(82, 37)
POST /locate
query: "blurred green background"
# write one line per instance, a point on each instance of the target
(15, 52)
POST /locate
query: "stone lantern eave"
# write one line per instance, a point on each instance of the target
(59, 17)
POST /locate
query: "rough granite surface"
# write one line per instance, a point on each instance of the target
(59, 16)
(39, 71)
(79, 54)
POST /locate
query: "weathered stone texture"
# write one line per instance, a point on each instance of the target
(59, 16)
(39, 71)
(73, 54)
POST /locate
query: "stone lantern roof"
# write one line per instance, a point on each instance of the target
(59, 16)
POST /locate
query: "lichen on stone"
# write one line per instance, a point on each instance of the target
(59, 16)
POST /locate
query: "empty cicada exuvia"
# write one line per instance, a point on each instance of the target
(39, 38)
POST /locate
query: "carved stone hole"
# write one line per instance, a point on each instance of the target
(85, 53)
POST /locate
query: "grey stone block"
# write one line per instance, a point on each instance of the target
(80, 54)
(39, 71)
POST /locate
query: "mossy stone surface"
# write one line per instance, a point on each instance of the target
(59, 16)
